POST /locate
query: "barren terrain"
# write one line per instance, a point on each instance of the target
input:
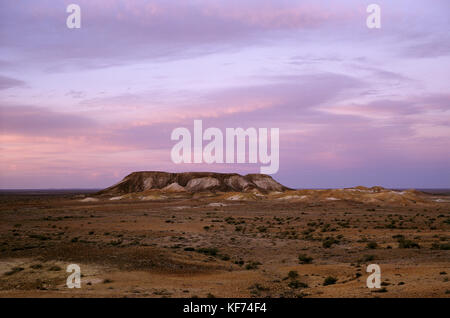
(302, 243)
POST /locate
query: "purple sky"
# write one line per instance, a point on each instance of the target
(355, 106)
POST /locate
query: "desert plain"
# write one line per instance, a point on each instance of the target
(161, 243)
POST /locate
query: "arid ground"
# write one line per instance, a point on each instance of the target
(208, 245)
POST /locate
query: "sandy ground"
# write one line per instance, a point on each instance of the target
(209, 247)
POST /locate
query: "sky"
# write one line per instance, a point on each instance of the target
(82, 108)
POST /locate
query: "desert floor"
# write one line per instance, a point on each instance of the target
(213, 248)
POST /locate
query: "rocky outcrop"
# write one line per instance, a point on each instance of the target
(226, 187)
(201, 184)
(193, 182)
(174, 187)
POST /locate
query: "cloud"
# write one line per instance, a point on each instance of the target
(429, 48)
(7, 82)
(418, 108)
(279, 98)
(40, 121)
(315, 144)
(76, 94)
(114, 32)
(349, 102)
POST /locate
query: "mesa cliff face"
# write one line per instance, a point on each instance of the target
(193, 182)
(226, 187)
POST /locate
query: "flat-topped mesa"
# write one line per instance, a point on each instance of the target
(193, 182)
